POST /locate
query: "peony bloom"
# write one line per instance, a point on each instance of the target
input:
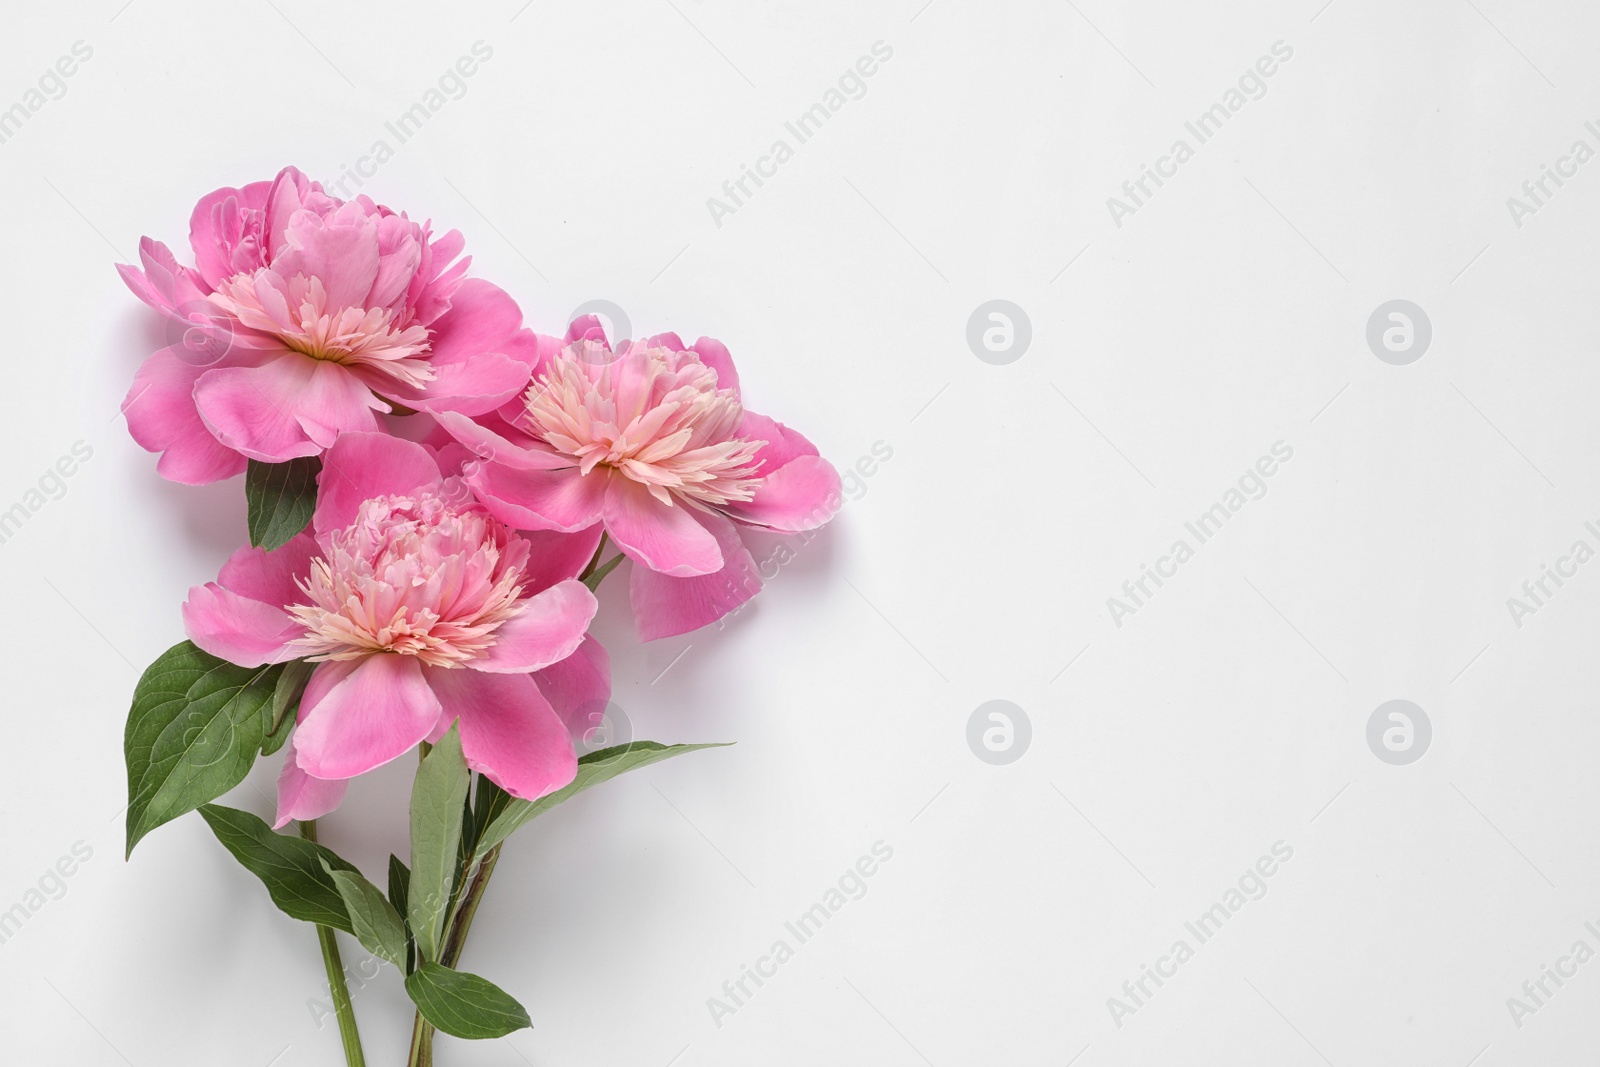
(419, 610)
(304, 317)
(652, 443)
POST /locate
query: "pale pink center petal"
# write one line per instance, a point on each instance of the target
(654, 415)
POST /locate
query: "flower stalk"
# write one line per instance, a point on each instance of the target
(343, 1009)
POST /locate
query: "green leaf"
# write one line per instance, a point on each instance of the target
(487, 805)
(438, 798)
(599, 575)
(294, 870)
(373, 919)
(464, 1005)
(399, 888)
(285, 703)
(193, 732)
(279, 499)
(593, 769)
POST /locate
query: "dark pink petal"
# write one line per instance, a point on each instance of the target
(162, 418)
(362, 466)
(481, 318)
(801, 495)
(782, 444)
(549, 629)
(509, 732)
(293, 406)
(557, 556)
(476, 385)
(301, 796)
(579, 688)
(269, 576)
(562, 500)
(666, 607)
(669, 340)
(663, 537)
(217, 232)
(377, 712)
(246, 632)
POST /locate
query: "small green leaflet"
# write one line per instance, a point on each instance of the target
(279, 499)
(373, 919)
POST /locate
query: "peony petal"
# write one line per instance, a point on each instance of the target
(509, 732)
(290, 407)
(474, 386)
(549, 629)
(714, 354)
(782, 444)
(666, 607)
(361, 466)
(502, 444)
(562, 500)
(579, 688)
(162, 418)
(270, 575)
(242, 631)
(664, 537)
(557, 556)
(482, 317)
(801, 495)
(377, 712)
(301, 796)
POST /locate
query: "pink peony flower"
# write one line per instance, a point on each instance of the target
(420, 610)
(304, 317)
(653, 444)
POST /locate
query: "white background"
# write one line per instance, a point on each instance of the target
(1229, 713)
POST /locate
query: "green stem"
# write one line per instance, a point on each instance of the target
(453, 942)
(342, 1008)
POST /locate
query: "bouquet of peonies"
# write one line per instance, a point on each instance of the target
(431, 488)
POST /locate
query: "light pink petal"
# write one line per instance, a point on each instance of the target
(379, 712)
(549, 629)
(579, 687)
(665, 538)
(502, 444)
(362, 466)
(557, 556)
(324, 677)
(801, 495)
(509, 732)
(162, 418)
(562, 500)
(269, 576)
(301, 796)
(783, 445)
(293, 406)
(342, 252)
(666, 607)
(246, 632)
